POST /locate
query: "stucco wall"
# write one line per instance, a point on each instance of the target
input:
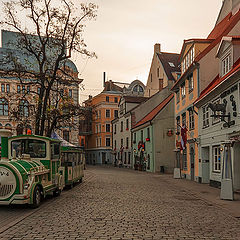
(163, 144)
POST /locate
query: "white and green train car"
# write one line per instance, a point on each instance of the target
(30, 169)
(72, 159)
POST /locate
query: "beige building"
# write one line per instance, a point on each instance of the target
(164, 71)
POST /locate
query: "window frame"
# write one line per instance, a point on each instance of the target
(205, 111)
(217, 158)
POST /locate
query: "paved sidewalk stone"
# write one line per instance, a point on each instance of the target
(125, 204)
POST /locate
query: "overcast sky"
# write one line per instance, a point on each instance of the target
(125, 32)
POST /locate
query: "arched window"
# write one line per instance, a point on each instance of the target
(3, 107)
(140, 89)
(19, 129)
(135, 89)
(24, 108)
(8, 125)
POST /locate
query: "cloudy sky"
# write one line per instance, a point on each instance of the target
(125, 32)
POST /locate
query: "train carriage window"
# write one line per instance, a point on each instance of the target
(55, 150)
(35, 148)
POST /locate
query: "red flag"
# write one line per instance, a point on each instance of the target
(183, 137)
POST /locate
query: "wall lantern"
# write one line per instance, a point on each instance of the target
(169, 132)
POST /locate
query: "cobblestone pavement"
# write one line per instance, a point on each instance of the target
(125, 204)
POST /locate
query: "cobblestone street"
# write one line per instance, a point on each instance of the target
(117, 203)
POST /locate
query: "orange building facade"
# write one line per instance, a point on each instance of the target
(186, 92)
(104, 107)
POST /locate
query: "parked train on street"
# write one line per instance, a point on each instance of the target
(33, 166)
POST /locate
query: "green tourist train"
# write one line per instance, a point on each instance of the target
(31, 167)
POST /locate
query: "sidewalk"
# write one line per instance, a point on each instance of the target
(206, 193)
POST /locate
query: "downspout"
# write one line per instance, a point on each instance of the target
(153, 147)
(198, 80)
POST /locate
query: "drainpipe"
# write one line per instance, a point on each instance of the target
(198, 79)
(5, 134)
(153, 147)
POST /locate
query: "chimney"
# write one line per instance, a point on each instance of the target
(157, 48)
(104, 78)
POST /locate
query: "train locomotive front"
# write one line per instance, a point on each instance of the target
(29, 169)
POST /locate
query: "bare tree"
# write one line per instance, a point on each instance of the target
(55, 31)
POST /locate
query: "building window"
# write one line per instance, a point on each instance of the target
(178, 124)
(226, 65)
(108, 143)
(24, 108)
(134, 138)
(205, 116)
(116, 100)
(190, 82)
(99, 128)
(107, 113)
(129, 158)
(216, 119)
(183, 119)
(38, 90)
(66, 135)
(3, 107)
(127, 124)
(115, 113)
(96, 128)
(115, 128)
(100, 142)
(148, 133)
(115, 144)
(7, 88)
(3, 87)
(216, 159)
(121, 142)
(28, 89)
(178, 96)
(121, 126)
(160, 84)
(107, 98)
(127, 143)
(191, 120)
(185, 159)
(125, 158)
(107, 127)
(18, 89)
(70, 93)
(99, 114)
(23, 89)
(96, 142)
(183, 90)
(142, 135)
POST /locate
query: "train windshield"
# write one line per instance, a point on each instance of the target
(35, 148)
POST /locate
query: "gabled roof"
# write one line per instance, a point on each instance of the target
(192, 41)
(220, 30)
(218, 80)
(150, 116)
(110, 86)
(166, 59)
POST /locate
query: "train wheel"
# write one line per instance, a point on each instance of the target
(36, 197)
(57, 192)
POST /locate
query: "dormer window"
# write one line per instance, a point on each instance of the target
(183, 90)
(226, 64)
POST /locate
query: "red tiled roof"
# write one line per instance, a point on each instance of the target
(150, 116)
(220, 30)
(218, 80)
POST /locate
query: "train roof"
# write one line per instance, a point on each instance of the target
(34, 136)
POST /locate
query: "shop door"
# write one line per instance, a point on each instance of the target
(192, 161)
(103, 157)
